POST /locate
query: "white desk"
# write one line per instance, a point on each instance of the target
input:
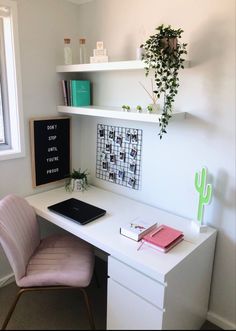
(146, 289)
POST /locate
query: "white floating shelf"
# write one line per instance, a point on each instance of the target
(115, 112)
(105, 66)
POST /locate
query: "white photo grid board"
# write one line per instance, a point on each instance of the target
(119, 155)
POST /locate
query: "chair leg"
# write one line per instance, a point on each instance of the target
(12, 308)
(22, 290)
(88, 306)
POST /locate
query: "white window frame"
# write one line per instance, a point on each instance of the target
(13, 114)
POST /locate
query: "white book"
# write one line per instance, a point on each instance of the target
(137, 228)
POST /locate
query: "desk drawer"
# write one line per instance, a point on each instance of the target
(128, 311)
(146, 287)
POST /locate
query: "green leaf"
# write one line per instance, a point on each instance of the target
(166, 63)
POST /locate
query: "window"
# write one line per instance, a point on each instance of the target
(11, 121)
(2, 131)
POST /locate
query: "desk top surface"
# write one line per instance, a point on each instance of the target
(104, 233)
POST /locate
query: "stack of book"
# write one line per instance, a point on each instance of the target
(163, 238)
(137, 228)
(76, 93)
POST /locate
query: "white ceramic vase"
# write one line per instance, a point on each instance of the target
(77, 185)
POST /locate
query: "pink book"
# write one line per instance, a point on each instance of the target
(163, 236)
(164, 250)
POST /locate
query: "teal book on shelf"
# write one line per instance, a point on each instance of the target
(80, 93)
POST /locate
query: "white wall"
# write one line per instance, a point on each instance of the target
(206, 137)
(207, 93)
(42, 27)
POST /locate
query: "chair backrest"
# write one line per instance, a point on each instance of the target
(19, 232)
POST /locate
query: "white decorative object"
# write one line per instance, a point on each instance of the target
(197, 227)
(139, 53)
(99, 45)
(99, 54)
(98, 59)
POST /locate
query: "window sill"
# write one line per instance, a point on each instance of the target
(11, 154)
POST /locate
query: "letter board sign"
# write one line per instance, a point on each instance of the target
(50, 149)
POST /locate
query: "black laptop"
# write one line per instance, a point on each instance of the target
(77, 210)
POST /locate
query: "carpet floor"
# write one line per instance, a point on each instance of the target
(60, 309)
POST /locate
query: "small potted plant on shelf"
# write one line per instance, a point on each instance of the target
(126, 107)
(77, 180)
(138, 109)
(165, 55)
(150, 109)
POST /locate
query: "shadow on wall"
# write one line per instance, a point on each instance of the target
(194, 122)
(211, 45)
(128, 50)
(211, 41)
(198, 124)
(224, 198)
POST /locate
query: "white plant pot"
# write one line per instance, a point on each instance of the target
(139, 53)
(77, 185)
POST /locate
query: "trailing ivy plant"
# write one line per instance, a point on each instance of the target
(165, 55)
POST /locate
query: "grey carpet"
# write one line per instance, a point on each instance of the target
(62, 309)
(57, 309)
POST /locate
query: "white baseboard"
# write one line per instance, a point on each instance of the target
(220, 321)
(7, 280)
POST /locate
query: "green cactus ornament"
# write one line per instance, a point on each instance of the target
(204, 190)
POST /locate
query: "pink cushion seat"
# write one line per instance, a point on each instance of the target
(55, 260)
(60, 260)
(48, 263)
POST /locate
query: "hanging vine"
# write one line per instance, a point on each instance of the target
(165, 55)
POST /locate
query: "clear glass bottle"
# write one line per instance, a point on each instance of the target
(82, 51)
(67, 51)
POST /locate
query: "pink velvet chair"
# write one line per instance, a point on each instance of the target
(55, 262)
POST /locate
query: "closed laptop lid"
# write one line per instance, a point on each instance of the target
(77, 210)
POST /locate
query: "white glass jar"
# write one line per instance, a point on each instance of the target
(82, 51)
(67, 51)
